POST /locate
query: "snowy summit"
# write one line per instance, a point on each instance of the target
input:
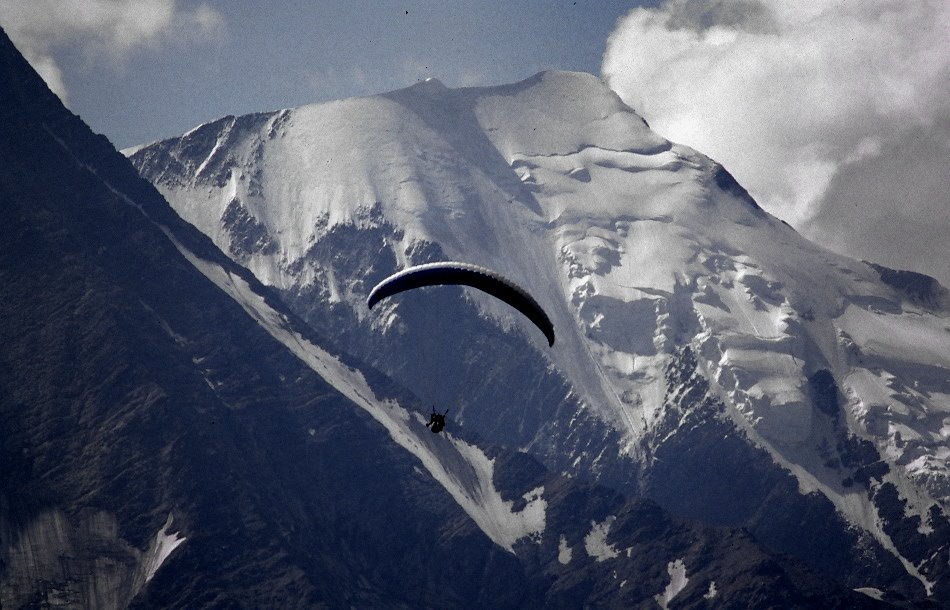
(676, 299)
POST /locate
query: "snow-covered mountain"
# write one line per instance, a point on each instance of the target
(171, 435)
(707, 354)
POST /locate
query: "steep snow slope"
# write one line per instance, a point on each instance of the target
(462, 469)
(640, 249)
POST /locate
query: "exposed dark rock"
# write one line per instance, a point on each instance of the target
(248, 234)
(706, 470)
(825, 394)
(920, 289)
(725, 181)
(917, 543)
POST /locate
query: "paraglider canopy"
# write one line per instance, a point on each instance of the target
(450, 272)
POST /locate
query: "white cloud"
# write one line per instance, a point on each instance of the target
(112, 28)
(795, 96)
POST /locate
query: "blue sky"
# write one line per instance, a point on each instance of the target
(268, 55)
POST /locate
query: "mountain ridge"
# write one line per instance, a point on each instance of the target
(636, 246)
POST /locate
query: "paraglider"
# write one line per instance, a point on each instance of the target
(486, 280)
(437, 421)
(463, 274)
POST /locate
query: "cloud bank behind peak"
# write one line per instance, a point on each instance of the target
(836, 116)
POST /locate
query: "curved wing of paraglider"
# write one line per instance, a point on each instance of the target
(486, 280)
